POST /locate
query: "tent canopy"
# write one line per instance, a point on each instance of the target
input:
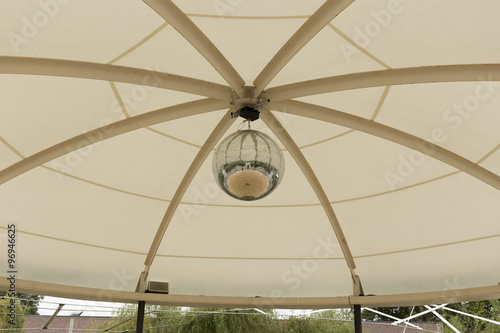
(387, 114)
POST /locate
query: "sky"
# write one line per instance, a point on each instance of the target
(49, 304)
(72, 306)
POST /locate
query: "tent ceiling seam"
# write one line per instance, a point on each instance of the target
(477, 239)
(127, 115)
(74, 242)
(398, 189)
(357, 46)
(140, 43)
(381, 102)
(326, 140)
(12, 148)
(104, 186)
(172, 137)
(252, 206)
(491, 152)
(257, 206)
(119, 99)
(471, 240)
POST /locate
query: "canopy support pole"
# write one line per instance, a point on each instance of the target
(357, 319)
(357, 291)
(53, 316)
(140, 317)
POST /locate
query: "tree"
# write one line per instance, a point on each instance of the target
(28, 301)
(166, 319)
(398, 312)
(175, 319)
(236, 321)
(486, 309)
(208, 320)
(327, 321)
(11, 314)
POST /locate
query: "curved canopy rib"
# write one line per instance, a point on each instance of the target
(107, 72)
(84, 293)
(389, 77)
(177, 19)
(109, 131)
(297, 155)
(202, 155)
(324, 15)
(388, 133)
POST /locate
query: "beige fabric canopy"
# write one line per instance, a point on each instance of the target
(387, 113)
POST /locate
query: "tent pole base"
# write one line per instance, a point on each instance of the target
(140, 317)
(357, 319)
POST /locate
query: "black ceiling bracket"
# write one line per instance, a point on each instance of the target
(247, 112)
(250, 113)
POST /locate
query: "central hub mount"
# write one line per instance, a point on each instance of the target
(247, 112)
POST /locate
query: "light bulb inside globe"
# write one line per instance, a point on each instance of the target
(248, 165)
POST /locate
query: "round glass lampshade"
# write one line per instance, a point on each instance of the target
(248, 165)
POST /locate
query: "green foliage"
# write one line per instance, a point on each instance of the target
(7, 319)
(126, 320)
(31, 307)
(237, 321)
(212, 320)
(485, 309)
(328, 321)
(399, 312)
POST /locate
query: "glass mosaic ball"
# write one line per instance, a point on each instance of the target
(248, 165)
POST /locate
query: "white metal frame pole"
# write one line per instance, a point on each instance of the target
(419, 314)
(391, 317)
(442, 318)
(473, 316)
